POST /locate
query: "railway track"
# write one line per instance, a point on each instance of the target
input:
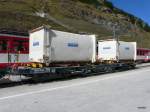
(14, 80)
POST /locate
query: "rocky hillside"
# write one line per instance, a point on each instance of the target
(80, 16)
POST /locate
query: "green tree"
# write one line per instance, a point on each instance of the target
(109, 4)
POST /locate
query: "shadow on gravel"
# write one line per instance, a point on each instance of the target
(6, 85)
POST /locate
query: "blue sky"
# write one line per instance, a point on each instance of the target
(139, 8)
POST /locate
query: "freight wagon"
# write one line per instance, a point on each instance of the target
(57, 54)
(14, 49)
(143, 55)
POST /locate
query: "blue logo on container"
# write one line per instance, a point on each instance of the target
(106, 48)
(36, 44)
(127, 48)
(73, 45)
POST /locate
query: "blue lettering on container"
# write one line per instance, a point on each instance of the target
(73, 45)
(36, 44)
(106, 48)
(127, 48)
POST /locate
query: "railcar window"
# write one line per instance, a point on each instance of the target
(25, 46)
(3, 45)
(143, 53)
(18, 46)
(21, 46)
(137, 52)
(140, 53)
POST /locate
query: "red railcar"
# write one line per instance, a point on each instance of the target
(143, 54)
(14, 48)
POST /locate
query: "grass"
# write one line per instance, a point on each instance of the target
(20, 15)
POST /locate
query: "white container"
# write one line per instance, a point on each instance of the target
(116, 51)
(48, 46)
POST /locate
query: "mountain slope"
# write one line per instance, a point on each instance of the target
(91, 16)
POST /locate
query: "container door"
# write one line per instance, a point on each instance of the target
(47, 47)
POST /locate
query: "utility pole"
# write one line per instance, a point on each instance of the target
(116, 38)
(114, 32)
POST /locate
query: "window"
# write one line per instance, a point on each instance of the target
(26, 46)
(20, 46)
(3, 45)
